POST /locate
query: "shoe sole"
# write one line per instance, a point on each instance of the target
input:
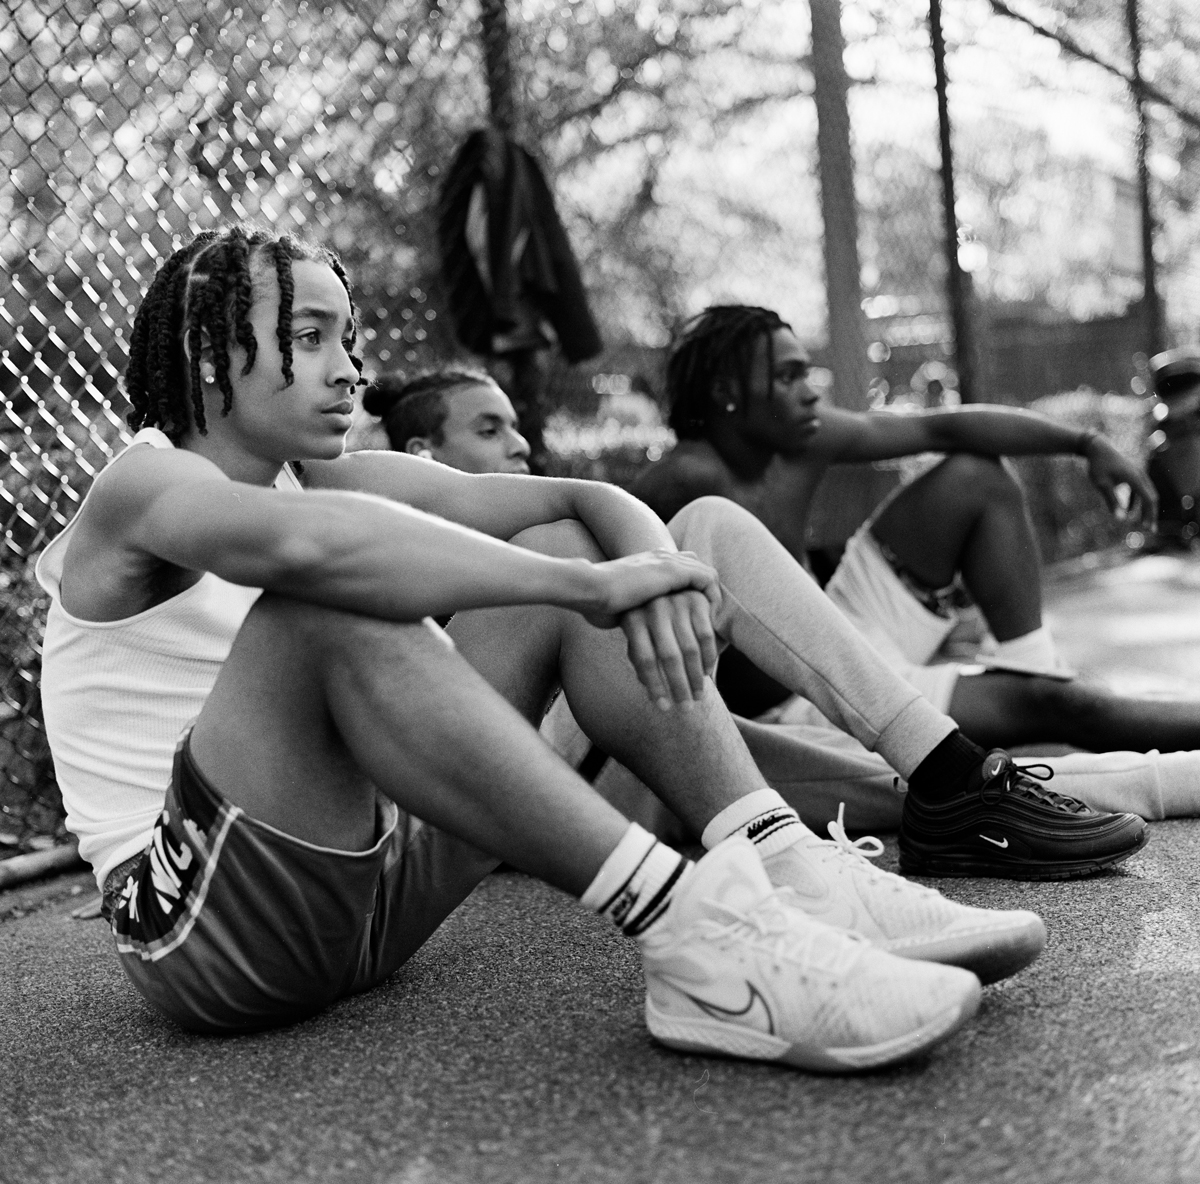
(989, 953)
(972, 865)
(717, 1037)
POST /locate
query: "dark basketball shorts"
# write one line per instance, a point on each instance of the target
(226, 924)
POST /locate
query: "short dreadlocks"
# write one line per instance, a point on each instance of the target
(206, 288)
(417, 406)
(714, 346)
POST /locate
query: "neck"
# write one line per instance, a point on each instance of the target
(236, 463)
(746, 459)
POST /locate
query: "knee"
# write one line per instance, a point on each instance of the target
(1069, 708)
(707, 517)
(565, 539)
(279, 624)
(982, 479)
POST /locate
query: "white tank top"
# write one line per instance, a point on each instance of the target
(117, 695)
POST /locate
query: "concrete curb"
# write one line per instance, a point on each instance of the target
(20, 868)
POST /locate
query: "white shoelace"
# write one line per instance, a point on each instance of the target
(868, 847)
(862, 851)
(813, 946)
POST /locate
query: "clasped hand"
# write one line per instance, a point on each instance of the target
(1109, 469)
(663, 602)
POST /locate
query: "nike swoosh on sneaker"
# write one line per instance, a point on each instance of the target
(756, 1014)
(995, 842)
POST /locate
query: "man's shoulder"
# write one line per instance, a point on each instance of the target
(688, 461)
(141, 469)
(131, 484)
(691, 470)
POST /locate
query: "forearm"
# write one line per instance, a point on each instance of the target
(431, 568)
(1006, 432)
(368, 555)
(618, 521)
(499, 504)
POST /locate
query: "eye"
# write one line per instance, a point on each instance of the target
(792, 372)
(309, 336)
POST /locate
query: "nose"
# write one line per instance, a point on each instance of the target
(518, 445)
(344, 371)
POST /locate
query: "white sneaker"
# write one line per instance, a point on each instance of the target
(735, 968)
(836, 883)
(1034, 669)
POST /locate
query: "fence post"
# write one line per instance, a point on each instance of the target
(958, 283)
(526, 375)
(839, 211)
(493, 20)
(1154, 319)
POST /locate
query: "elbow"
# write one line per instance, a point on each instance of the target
(293, 565)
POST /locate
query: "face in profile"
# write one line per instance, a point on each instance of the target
(781, 401)
(309, 418)
(480, 433)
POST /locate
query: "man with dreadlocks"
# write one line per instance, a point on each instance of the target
(751, 429)
(285, 776)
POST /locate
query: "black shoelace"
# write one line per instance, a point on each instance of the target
(1023, 780)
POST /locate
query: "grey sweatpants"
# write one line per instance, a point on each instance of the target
(871, 728)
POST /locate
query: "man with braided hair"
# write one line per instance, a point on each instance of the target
(751, 429)
(285, 776)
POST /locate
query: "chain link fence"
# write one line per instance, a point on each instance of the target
(126, 126)
(1146, 55)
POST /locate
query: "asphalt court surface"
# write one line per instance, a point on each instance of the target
(511, 1048)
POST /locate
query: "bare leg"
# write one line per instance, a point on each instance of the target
(969, 514)
(1003, 710)
(314, 708)
(693, 758)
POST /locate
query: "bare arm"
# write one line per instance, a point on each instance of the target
(498, 504)
(993, 431)
(370, 555)
(670, 637)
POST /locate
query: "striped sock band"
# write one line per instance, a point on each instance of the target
(635, 883)
(763, 817)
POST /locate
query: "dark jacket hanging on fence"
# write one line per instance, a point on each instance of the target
(505, 256)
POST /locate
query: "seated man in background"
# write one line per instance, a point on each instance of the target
(751, 429)
(774, 612)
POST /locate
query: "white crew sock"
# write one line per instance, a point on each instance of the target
(1035, 649)
(763, 817)
(635, 883)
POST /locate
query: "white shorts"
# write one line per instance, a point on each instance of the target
(906, 633)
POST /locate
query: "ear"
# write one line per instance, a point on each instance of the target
(419, 446)
(724, 394)
(208, 369)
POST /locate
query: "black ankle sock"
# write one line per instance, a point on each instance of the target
(945, 771)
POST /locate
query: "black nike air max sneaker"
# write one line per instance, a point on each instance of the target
(1007, 824)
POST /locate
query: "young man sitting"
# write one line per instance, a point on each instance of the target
(285, 776)
(751, 429)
